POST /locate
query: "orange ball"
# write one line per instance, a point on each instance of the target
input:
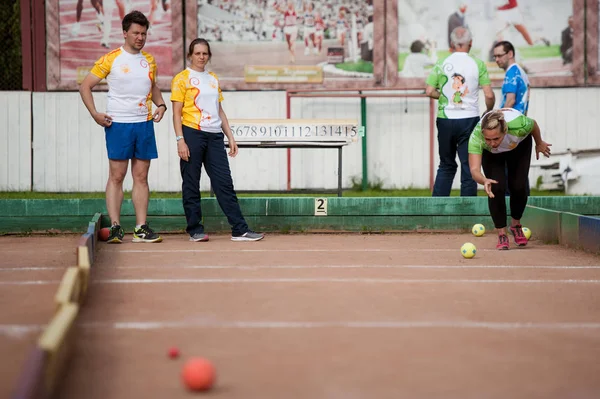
(198, 374)
(104, 233)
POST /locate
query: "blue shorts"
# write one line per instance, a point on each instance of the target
(131, 140)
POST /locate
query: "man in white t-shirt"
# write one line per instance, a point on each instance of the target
(455, 82)
(416, 62)
(128, 122)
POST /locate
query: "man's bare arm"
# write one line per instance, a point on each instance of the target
(432, 92)
(157, 98)
(511, 99)
(490, 97)
(85, 90)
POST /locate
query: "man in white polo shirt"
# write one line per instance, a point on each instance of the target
(128, 122)
(455, 82)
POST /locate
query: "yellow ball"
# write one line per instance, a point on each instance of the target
(468, 250)
(526, 232)
(478, 230)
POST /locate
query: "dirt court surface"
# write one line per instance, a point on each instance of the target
(25, 307)
(317, 316)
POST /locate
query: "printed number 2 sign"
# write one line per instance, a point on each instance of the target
(320, 206)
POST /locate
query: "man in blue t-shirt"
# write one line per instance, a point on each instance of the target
(515, 88)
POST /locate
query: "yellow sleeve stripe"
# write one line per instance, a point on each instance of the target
(151, 64)
(179, 85)
(102, 67)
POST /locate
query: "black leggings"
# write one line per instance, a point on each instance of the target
(512, 166)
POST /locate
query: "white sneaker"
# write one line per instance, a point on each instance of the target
(306, 51)
(316, 51)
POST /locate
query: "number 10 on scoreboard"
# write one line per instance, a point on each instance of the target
(320, 206)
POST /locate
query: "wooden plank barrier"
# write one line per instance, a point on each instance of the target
(57, 341)
(70, 288)
(30, 384)
(48, 360)
(97, 220)
(93, 228)
(85, 258)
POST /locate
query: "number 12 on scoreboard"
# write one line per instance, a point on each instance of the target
(320, 206)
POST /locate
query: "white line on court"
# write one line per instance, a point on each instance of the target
(309, 250)
(25, 250)
(31, 269)
(21, 330)
(30, 282)
(284, 267)
(344, 324)
(313, 280)
(333, 280)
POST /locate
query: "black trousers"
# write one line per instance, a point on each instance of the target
(510, 169)
(208, 149)
(453, 138)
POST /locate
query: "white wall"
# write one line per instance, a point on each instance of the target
(15, 141)
(69, 152)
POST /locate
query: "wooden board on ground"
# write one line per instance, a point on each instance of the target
(30, 384)
(69, 290)
(56, 341)
(94, 227)
(85, 258)
(85, 254)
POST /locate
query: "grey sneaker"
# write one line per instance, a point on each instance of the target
(248, 236)
(197, 237)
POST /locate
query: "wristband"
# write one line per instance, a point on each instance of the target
(162, 105)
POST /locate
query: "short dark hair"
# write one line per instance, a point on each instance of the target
(135, 17)
(199, 40)
(506, 46)
(417, 46)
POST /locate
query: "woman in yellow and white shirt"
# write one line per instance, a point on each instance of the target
(200, 125)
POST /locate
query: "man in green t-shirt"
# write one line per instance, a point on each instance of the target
(501, 144)
(455, 82)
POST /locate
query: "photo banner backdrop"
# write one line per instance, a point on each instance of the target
(593, 42)
(282, 44)
(547, 34)
(79, 32)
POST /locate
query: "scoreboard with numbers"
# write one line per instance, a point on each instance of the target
(322, 132)
(298, 133)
